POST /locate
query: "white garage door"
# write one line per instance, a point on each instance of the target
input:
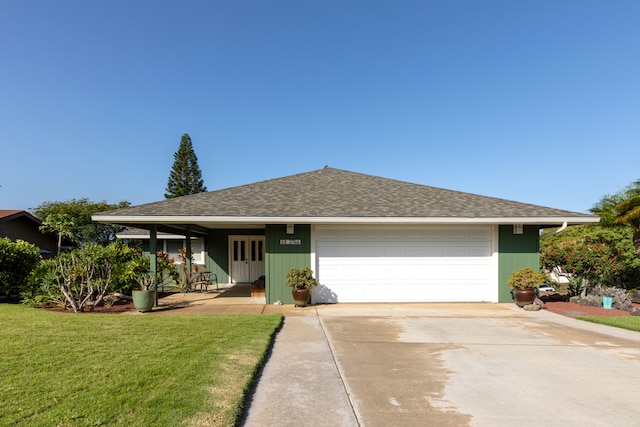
(410, 264)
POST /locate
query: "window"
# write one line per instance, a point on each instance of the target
(173, 246)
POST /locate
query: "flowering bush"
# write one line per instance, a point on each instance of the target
(595, 261)
(576, 250)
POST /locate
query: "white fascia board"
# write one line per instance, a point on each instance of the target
(204, 220)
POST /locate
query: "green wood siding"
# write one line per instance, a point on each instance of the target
(280, 258)
(217, 250)
(516, 251)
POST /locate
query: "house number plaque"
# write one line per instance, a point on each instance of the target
(290, 241)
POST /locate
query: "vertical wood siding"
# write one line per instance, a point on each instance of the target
(280, 258)
(516, 251)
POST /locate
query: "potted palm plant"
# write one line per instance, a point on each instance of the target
(301, 281)
(523, 283)
(144, 298)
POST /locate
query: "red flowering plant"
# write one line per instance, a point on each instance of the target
(598, 262)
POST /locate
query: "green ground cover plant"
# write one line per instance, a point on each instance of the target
(63, 369)
(626, 322)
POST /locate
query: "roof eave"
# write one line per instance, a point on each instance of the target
(113, 219)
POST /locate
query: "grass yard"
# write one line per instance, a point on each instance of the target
(62, 369)
(626, 322)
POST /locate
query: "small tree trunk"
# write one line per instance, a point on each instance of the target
(98, 300)
(69, 298)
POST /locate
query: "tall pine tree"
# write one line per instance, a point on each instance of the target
(185, 177)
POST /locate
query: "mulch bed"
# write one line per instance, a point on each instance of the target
(557, 303)
(121, 306)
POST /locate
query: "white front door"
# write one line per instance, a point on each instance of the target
(256, 257)
(246, 255)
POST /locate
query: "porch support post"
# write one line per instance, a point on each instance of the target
(188, 248)
(153, 249)
(153, 255)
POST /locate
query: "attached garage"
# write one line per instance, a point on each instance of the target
(405, 264)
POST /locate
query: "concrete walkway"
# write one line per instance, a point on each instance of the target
(443, 365)
(300, 384)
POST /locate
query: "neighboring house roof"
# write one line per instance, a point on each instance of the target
(337, 196)
(19, 224)
(10, 214)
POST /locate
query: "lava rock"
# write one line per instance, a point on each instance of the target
(575, 299)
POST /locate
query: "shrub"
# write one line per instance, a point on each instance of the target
(301, 278)
(44, 292)
(17, 262)
(88, 274)
(83, 277)
(576, 286)
(525, 278)
(168, 272)
(595, 261)
(599, 254)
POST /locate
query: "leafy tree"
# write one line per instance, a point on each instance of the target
(629, 212)
(185, 177)
(17, 260)
(623, 209)
(61, 224)
(600, 254)
(84, 230)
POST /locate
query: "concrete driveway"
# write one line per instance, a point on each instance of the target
(446, 365)
(482, 365)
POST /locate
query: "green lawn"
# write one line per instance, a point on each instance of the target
(626, 322)
(62, 369)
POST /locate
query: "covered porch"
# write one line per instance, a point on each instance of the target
(248, 259)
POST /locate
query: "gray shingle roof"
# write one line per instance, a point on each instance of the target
(335, 193)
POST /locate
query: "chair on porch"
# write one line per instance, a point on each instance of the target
(200, 278)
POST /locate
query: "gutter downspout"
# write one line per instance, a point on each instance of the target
(551, 233)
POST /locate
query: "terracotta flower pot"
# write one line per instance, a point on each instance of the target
(524, 296)
(301, 297)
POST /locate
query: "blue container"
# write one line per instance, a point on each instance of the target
(606, 302)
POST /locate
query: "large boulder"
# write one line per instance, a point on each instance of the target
(590, 301)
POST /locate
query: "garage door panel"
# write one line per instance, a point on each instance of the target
(398, 293)
(418, 270)
(380, 250)
(403, 265)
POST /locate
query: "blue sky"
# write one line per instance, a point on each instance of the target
(535, 101)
